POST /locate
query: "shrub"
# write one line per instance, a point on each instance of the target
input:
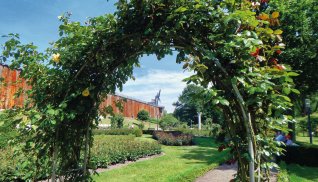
(109, 150)
(168, 121)
(138, 132)
(303, 155)
(119, 131)
(117, 121)
(216, 129)
(143, 115)
(141, 125)
(153, 120)
(282, 176)
(195, 132)
(173, 138)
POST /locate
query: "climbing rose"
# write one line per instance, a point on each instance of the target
(256, 53)
(85, 92)
(56, 58)
(275, 14)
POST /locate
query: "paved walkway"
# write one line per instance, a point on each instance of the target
(225, 173)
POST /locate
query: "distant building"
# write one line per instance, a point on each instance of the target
(10, 83)
(132, 106)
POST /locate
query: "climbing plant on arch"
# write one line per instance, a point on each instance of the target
(231, 45)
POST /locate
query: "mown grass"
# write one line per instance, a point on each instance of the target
(306, 140)
(180, 163)
(297, 173)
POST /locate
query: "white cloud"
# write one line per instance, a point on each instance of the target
(145, 87)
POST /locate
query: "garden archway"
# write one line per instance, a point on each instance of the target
(228, 45)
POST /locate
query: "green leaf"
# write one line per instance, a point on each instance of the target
(50, 111)
(292, 74)
(181, 9)
(286, 90)
(215, 101)
(224, 102)
(295, 91)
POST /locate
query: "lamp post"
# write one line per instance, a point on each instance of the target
(308, 110)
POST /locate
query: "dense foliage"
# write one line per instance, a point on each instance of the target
(193, 100)
(119, 131)
(168, 122)
(7, 130)
(173, 138)
(109, 150)
(117, 121)
(143, 115)
(299, 23)
(232, 47)
(214, 132)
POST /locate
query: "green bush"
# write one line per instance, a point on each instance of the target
(173, 138)
(303, 155)
(282, 176)
(7, 165)
(153, 120)
(216, 129)
(143, 115)
(117, 121)
(118, 131)
(168, 122)
(141, 125)
(109, 150)
(7, 130)
(195, 132)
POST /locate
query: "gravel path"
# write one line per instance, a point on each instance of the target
(225, 173)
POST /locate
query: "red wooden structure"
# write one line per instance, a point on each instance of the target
(131, 106)
(11, 82)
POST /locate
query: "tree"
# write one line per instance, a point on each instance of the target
(193, 100)
(143, 115)
(230, 46)
(168, 122)
(117, 121)
(299, 24)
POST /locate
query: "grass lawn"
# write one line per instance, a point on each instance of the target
(302, 139)
(180, 163)
(297, 173)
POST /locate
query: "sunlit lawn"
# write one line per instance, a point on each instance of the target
(307, 140)
(297, 173)
(180, 163)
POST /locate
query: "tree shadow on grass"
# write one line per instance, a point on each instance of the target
(205, 151)
(309, 173)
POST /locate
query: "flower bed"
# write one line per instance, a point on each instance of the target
(108, 150)
(173, 138)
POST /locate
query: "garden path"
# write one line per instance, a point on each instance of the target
(225, 173)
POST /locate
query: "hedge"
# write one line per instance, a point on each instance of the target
(303, 155)
(176, 138)
(109, 150)
(119, 131)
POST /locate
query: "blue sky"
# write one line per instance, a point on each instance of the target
(36, 21)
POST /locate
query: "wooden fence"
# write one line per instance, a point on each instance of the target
(11, 82)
